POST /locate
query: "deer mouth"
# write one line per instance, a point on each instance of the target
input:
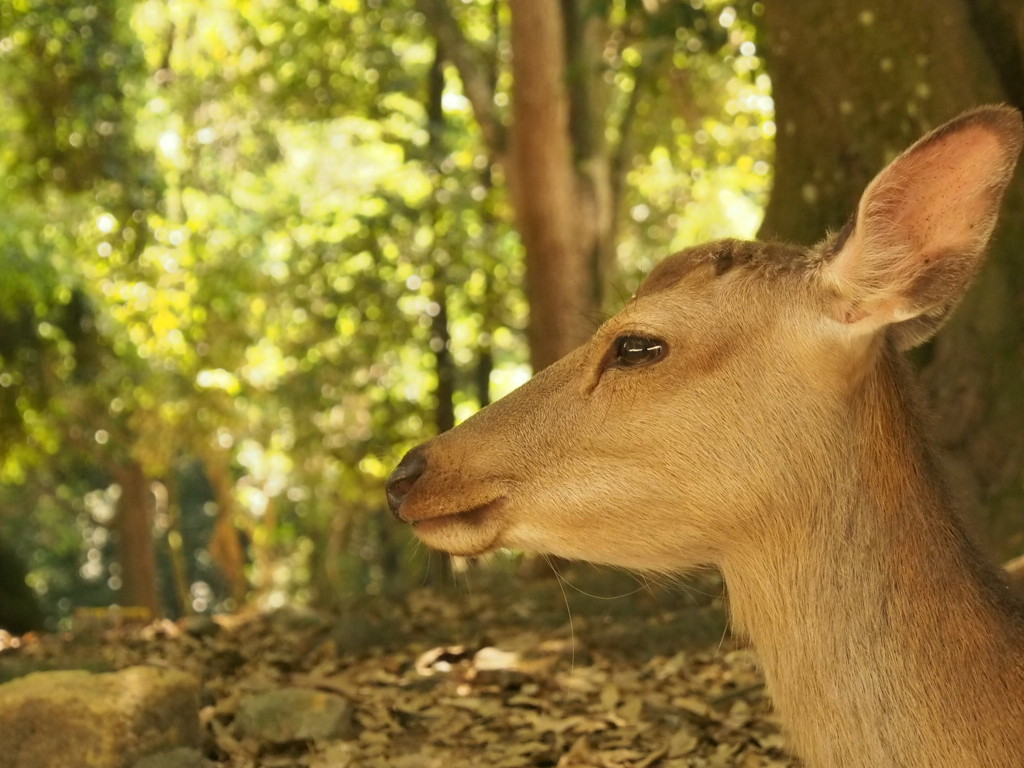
(467, 532)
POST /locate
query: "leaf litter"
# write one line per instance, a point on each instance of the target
(438, 680)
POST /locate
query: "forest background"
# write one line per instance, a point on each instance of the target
(253, 250)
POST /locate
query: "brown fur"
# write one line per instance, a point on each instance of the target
(777, 439)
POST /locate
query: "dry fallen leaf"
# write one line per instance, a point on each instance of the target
(467, 682)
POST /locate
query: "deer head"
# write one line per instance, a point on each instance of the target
(717, 404)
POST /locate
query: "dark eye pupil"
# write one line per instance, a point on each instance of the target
(636, 350)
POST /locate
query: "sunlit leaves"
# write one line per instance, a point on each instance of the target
(218, 378)
(707, 130)
(230, 230)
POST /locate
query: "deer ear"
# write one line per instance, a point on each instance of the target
(921, 228)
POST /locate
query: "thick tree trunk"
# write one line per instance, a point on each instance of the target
(855, 82)
(135, 540)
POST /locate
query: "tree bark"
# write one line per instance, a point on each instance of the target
(586, 35)
(440, 341)
(559, 279)
(563, 177)
(854, 83)
(136, 551)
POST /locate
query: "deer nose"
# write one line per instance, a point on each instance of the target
(408, 471)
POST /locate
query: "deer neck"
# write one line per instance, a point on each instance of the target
(882, 638)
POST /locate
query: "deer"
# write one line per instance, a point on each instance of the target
(750, 409)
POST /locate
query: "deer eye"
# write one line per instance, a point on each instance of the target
(632, 351)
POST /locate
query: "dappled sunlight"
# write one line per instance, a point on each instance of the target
(256, 255)
(708, 172)
(258, 263)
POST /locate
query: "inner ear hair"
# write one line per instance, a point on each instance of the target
(922, 225)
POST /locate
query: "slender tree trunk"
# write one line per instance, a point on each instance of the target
(563, 177)
(176, 544)
(440, 341)
(586, 35)
(856, 81)
(488, 310)
(225, 544)
(559, 278)
(482, 373)
(134, 526)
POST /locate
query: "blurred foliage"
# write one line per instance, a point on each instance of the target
(699, 160)
(229, 229)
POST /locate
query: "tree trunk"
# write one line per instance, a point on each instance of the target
(135, 540)
(542, 176)
(19, 606)
(225, 543)
(854, 83)
(437, 568)
(176, 555)
(586, 36)
(563, 177)
(440, 341)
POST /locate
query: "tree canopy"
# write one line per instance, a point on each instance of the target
(251, 252)
(254, 251)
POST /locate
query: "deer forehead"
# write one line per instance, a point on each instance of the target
(722, 287)
(757, 260)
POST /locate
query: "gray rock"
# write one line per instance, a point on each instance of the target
(293, 714)
(69, 719)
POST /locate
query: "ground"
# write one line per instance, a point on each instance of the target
(501, 677)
